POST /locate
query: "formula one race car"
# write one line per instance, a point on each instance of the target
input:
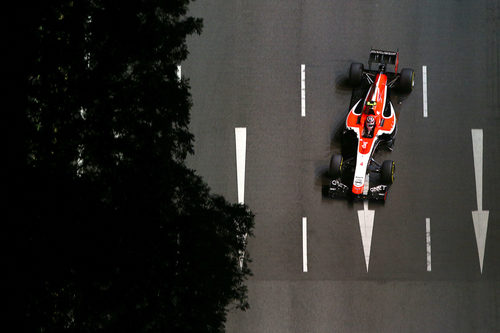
(370, 123)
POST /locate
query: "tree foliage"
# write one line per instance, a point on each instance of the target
(109, 230)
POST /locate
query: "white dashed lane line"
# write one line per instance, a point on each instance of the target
(424, 87)
(304, 244)
(428, 243)
(303, 90)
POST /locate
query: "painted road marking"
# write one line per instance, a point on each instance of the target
(366, 218)
(424, 86)
(240, 134)
(179, 72)
(303, 90)
(477, 149)
(304, 244)
(367, 184)
(479, 216)
(241, 147)
(428, 242)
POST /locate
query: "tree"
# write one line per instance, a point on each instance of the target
(110, 231)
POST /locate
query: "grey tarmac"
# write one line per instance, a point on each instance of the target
(245, 72)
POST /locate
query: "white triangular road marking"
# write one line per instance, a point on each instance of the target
(480, 220)
(366, 218)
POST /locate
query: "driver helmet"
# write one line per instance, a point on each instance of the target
(370, 122)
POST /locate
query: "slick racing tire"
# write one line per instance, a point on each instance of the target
(406, 80)
(387, 172)
(336, 162)
(355, 74)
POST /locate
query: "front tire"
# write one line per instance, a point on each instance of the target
(406, 80)
(355, 74)
(336, 163)
(387, 172)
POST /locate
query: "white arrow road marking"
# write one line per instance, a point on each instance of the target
(303, 90)
(480, 220)
(304, 244)
(428, 243)
(241, 147)
(424, 87)
(479, 216)
(366, 218)
(240, 134)
(179, 72)
(477, 149)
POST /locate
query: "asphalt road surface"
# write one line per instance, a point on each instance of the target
(245, 71)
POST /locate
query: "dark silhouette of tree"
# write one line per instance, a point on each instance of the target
(108, 229)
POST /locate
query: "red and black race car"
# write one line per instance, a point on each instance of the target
(371, 122)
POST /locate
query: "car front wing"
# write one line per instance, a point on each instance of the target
(339, 190)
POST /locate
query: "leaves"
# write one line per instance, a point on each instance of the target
(109, 229)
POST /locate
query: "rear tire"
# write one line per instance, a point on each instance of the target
(406, 80)
(387, 172)
(336, 163)
(355, 74)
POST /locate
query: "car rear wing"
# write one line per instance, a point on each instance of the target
(384, 57)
